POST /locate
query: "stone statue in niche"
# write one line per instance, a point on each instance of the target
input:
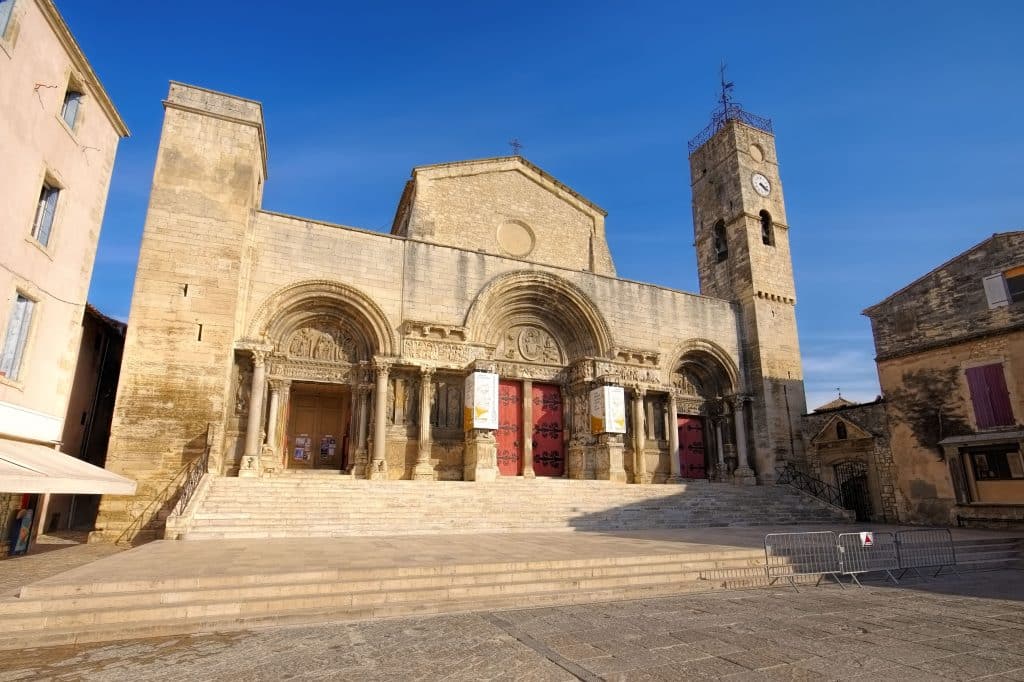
(242, 390)
(324, 341)
(531, 344)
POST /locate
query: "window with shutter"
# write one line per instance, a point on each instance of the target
(989, 396)
(45, 212)
(995, 291)
(16, 337)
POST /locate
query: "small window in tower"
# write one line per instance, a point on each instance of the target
(721, 245)
(767, 229)
(841, 431)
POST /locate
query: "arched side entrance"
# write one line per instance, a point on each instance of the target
(539, 325)
(702, 411)
(313, 346)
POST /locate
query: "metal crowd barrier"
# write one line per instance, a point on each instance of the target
(868, 552)
(929, 548)
(788, 555)
(823, 553)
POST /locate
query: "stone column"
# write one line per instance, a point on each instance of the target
(673, 440)
(424, 470)
(720, 449)
(253, 431)
(378, 463)
(640, 474)
(362, 428)
(528, 430)
(744, 475)
(269, 458)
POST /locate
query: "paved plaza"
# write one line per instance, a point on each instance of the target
(956, 627)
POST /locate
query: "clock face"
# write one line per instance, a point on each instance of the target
(761, 184)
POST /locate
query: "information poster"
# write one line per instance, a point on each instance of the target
(608, 410)
(481, 404)
(302, 445)
(327, 448)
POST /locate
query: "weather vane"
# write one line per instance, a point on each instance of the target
(839, 392)
(516, 146)
(727, 87)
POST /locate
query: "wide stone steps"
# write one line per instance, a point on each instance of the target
(298, 506)
(48, 614)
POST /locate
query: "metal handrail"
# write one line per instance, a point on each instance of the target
(815, 487)
(192, 478)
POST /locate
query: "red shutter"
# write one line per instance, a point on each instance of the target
(989, 395)
(999, 397)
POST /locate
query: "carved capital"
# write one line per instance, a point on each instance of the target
(280, 385)
(259, 357)
(426, 372)
(382, 366)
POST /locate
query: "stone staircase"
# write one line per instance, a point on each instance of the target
(297, 506)
(63, 611)
(51, 614)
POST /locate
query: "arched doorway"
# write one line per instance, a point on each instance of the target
(318, 341)
(538, 325)
(701, 381)
(852, 481)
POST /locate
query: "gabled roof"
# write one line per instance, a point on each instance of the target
(854, 431)
(963, 255)
(833, 404)
(499, 161)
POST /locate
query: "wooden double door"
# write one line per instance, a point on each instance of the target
(692, 462)
(318, 420)
(544, 430)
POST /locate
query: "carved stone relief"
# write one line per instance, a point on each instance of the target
(322, 340)
(441, 351)
(530, 344)
(514, 370)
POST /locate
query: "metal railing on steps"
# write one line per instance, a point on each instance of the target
(815, 487)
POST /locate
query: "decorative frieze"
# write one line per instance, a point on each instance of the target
(439, 351)
(519, 370)
(310, 370)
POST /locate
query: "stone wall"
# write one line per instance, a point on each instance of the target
(949, 304)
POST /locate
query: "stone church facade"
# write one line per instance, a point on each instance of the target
(277, 345)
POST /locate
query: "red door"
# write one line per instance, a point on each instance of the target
(691, 447)
(510, 428)
(548, 446)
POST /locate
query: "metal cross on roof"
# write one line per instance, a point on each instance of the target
(516, 146)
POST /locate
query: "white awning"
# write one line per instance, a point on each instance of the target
(31, 468)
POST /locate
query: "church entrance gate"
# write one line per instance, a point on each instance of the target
(691, 447)
(317, 434)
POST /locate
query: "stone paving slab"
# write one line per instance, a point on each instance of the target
(954, 628)
(170, 559)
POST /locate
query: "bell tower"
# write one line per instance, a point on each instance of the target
(742, 240)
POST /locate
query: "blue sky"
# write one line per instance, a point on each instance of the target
(897, 123)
